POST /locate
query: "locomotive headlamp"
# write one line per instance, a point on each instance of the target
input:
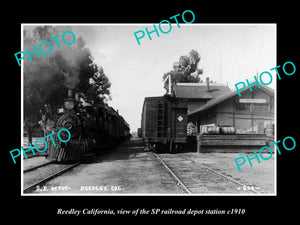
(69, 104)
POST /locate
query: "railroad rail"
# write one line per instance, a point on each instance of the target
(38, 166)
(39, 175)
(173, 174)
(205, 177)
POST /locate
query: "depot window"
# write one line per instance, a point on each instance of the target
(243, 106)
(252, 107)
(261, 107)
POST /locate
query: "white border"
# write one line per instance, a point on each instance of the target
(143, 24)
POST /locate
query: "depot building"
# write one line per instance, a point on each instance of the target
(223, 121)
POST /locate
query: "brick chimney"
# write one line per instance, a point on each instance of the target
(207, 83)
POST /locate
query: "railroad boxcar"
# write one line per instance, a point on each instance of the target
(164, 123)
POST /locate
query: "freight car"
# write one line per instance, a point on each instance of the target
(164, 123)
(93, 127)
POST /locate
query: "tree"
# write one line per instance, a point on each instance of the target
(185, 70)
(46, 79)
(99, 91)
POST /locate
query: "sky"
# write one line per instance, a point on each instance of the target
(230, 53)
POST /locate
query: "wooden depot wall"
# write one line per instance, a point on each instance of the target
(245, 117)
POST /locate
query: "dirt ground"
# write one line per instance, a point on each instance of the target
(34, 161)
(129, 169)
(261, 175)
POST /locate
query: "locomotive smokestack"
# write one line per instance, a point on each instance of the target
(71, 93)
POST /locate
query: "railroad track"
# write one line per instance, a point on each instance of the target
(199, 179)
(37, 176)
(38, 166)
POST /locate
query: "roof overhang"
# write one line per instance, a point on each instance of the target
(220, 99)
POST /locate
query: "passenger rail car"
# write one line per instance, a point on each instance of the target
(164, 123)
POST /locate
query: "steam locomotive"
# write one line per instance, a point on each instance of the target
(93, 127)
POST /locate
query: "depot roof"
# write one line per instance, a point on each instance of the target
(222, 98)
(200, 90)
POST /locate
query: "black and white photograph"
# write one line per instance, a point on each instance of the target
(150, 112)
(149, 109)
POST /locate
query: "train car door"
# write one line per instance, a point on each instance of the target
(180, 122)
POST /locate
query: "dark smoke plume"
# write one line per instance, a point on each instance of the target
(46, 79)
